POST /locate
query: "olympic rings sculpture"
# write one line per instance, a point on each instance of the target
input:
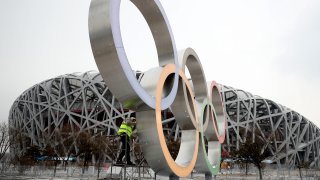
(195, 104)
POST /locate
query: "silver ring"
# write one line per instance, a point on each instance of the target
(208, 160)
(188, 58)
(220, 123)
(111, 58)
(160, 88)
(151, 135)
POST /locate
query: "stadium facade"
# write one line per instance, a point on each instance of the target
(83, 103)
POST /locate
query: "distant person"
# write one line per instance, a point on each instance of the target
(125, 132)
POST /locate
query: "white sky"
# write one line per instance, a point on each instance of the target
(270, 48)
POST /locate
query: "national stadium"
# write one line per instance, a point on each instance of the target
(81, 102)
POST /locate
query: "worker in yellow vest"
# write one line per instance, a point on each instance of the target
(125, 132)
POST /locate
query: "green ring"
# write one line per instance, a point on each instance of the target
(213, 170)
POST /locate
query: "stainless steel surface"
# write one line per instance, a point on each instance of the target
(210, 112)
(189, 60)
(220, 122)
(208, 161)
(183, 107)
(160, 87)
(110, 56)
(214, 132)
(150, 131)
(289, 136)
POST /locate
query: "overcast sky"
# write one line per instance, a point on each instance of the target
(270, 48)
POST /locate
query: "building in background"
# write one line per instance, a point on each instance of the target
(60, 108)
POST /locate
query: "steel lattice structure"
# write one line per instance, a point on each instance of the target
(80, 101)
(84, 103)
(289, 136)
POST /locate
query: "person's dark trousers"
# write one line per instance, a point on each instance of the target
(125, 148)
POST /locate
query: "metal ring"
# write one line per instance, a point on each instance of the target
(188, 58)
(152, 138)
(208, 158)
(111, 59)
(220, 124)
(110, 56)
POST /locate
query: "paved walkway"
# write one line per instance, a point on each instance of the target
(75, 173)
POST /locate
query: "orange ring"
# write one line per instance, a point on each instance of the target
(179, 170)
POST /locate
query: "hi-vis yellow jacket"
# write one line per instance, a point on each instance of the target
(125, 128)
